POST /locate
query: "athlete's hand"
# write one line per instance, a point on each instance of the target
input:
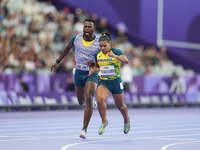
(94, 69)
(90, 72)
(54, 67)
(90, 64)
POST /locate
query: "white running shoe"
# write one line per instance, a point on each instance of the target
(83, 134)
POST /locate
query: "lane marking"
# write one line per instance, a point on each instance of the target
(140, 132)
(5, 136)
(113, 139)
(98, 137)
(75, 144)
(92, 127)
(175, 144)
(15, 122)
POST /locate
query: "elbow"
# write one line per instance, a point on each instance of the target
(126, 61)
(123, 59)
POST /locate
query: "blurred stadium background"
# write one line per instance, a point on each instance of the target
(161, 38)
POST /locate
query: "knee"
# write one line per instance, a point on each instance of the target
(100, 99)
(123, 107)
(89, 101)
(89, 105)
(89, 96)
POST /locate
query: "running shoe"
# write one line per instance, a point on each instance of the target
(83, 134)
(127, 127)
(102, 128)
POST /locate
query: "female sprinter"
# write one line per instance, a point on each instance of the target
(108, 61)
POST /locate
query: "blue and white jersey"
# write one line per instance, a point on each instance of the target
(84, 51)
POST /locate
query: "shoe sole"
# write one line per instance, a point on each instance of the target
(83, 137)
(101, 133)
(126, 132)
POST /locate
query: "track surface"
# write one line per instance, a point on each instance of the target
(151, 129)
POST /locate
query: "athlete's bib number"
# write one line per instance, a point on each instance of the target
(107, 71)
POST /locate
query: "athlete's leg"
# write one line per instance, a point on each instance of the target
(119, 102)
(90, 88)
(102, 95)
(80, 92)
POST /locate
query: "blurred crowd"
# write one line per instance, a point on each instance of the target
(32, 34)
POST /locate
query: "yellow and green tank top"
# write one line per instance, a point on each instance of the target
(109, 66)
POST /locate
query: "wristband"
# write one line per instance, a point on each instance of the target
(58, 61)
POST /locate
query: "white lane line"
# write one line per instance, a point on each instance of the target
(67, 131)
(150, 137)
(48, 130)
(179, 135)
(5, 136)
(6, 121)
(175, 139)
(38, 138)
(75, 144)
(38, 126)
(114, 139)
(173, 130)
(69, 122)
(74, 128)
(93, 136)
(175, 144)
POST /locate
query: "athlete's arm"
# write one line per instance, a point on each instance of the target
(94, 65)
(121, 58)
(62, 55)
(94, 69)
(64, 52)
(91, 63)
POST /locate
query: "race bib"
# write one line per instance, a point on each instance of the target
(107, 71)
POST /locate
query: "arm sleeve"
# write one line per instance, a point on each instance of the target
(117, 51)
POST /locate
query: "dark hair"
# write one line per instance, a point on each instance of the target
(105, 37)
(89, 20)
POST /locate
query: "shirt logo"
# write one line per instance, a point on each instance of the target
(106, 59)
